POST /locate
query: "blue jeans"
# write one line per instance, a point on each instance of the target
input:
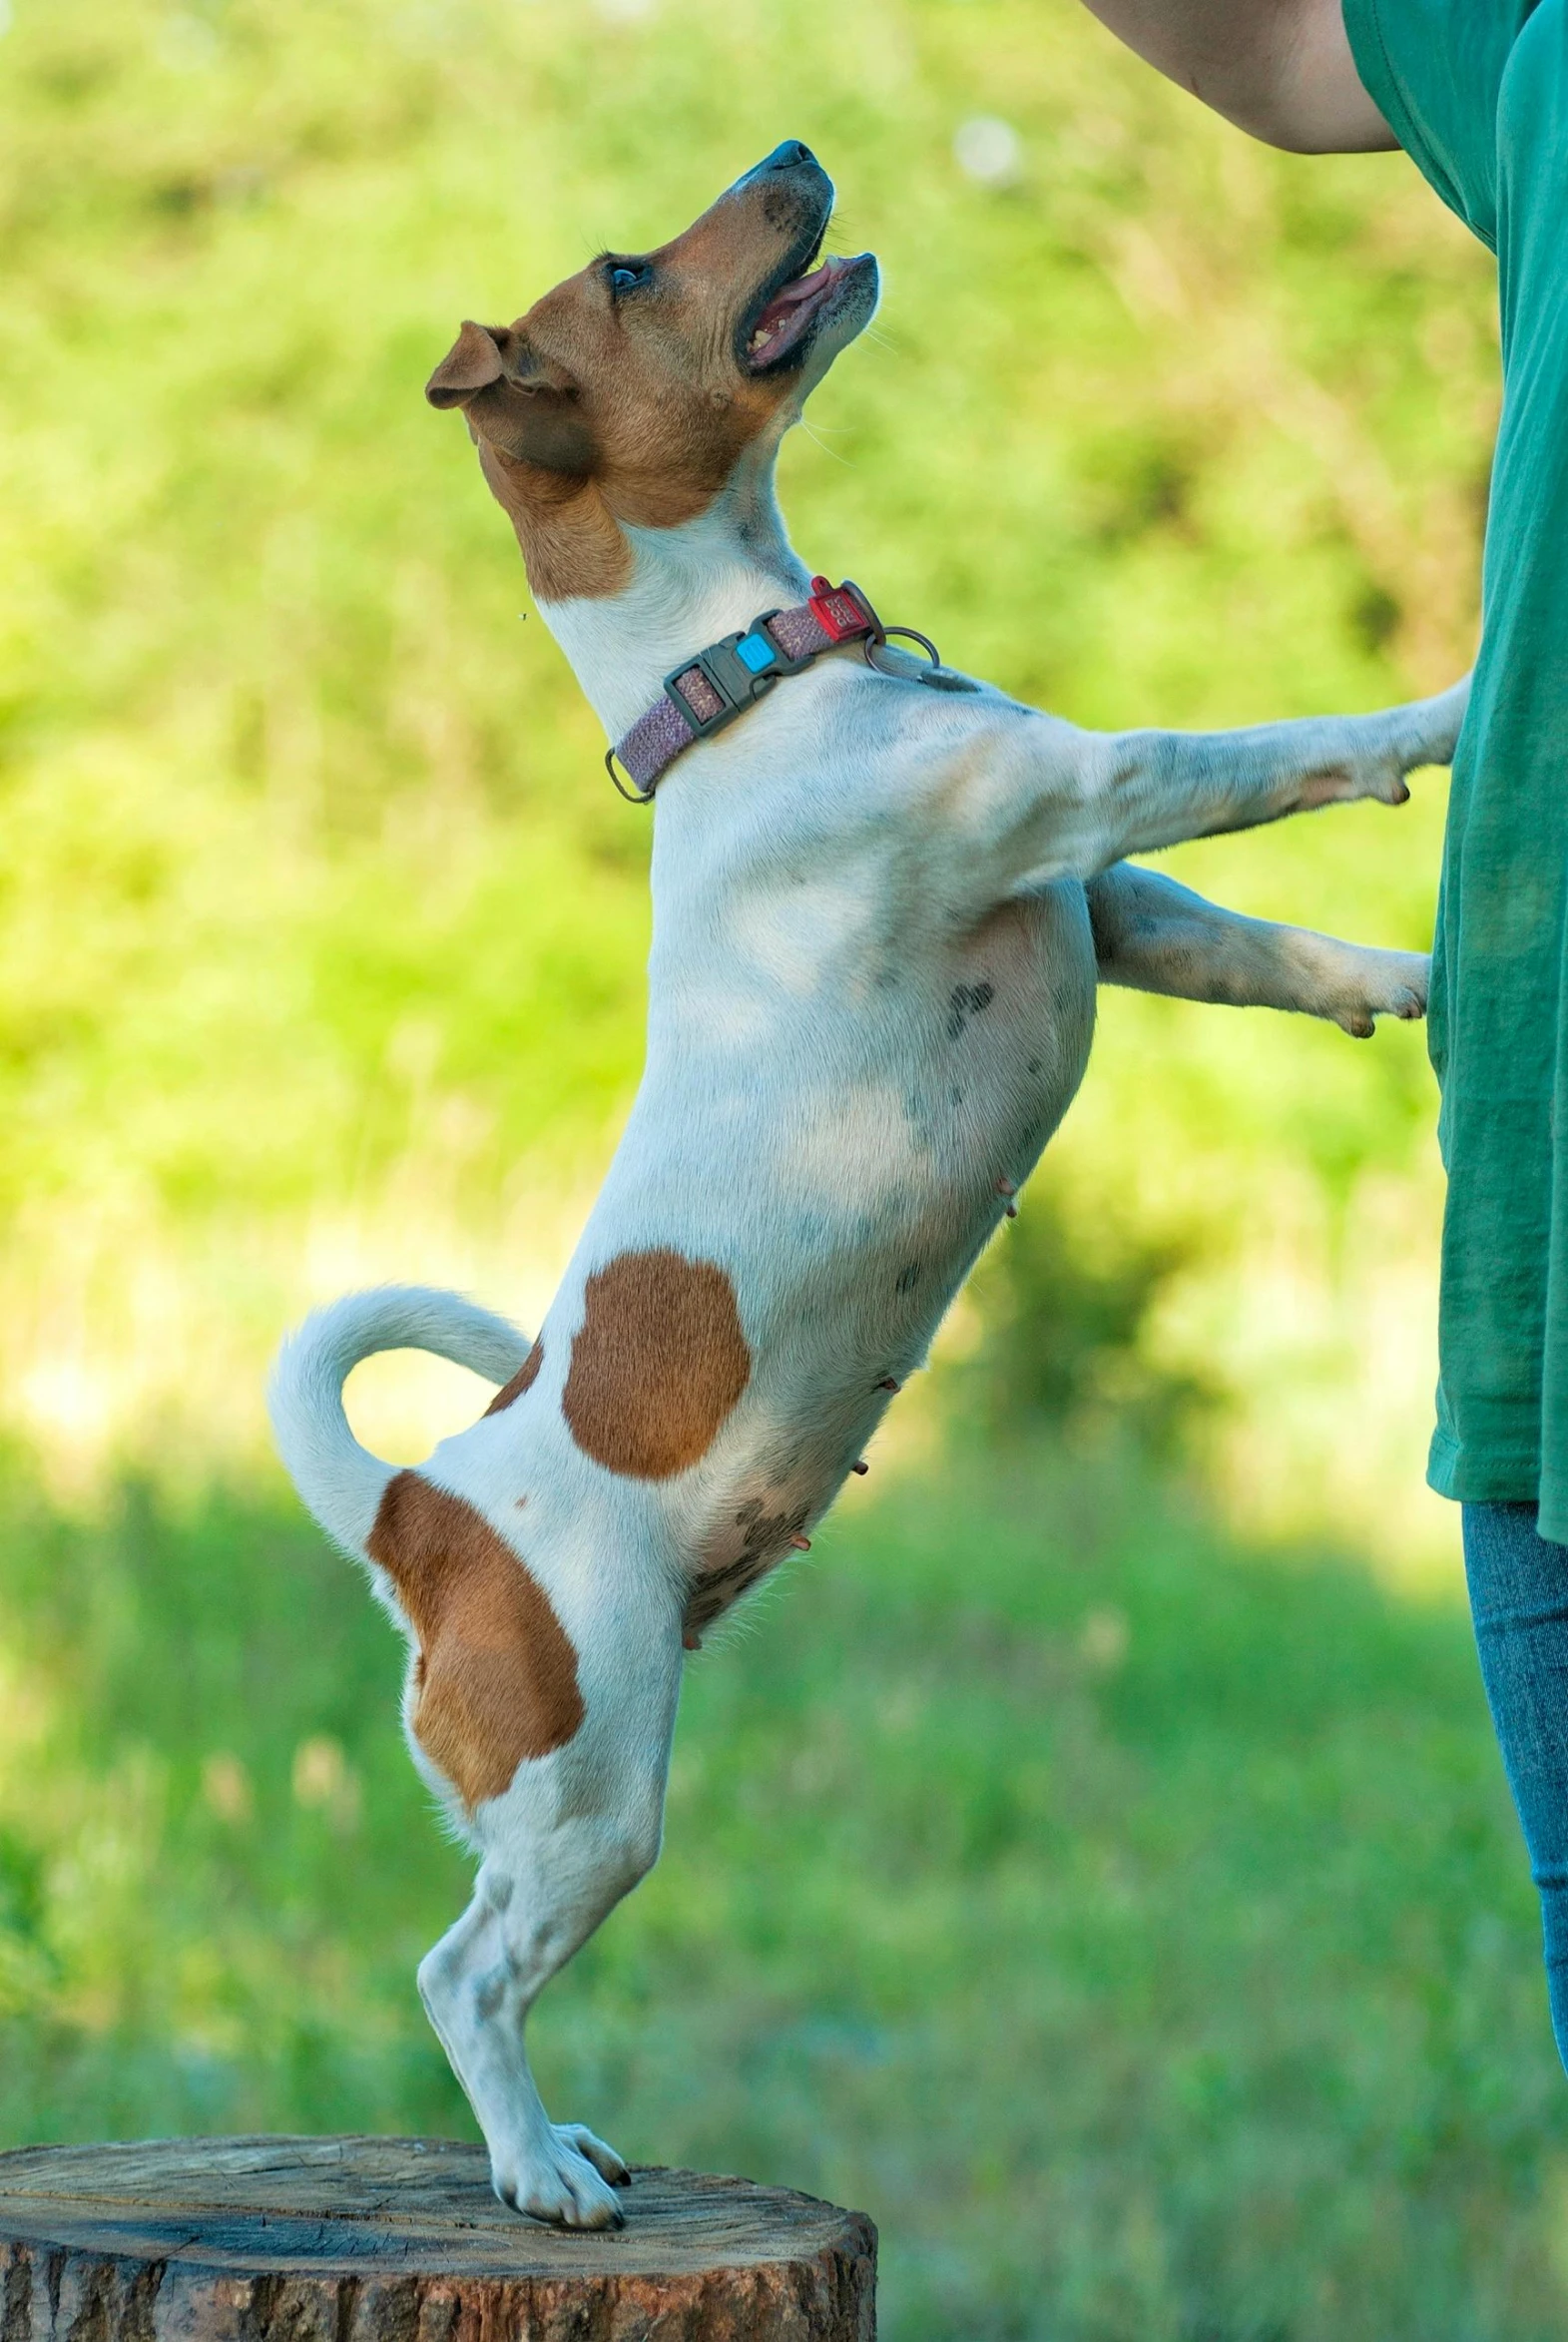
(1519, 1599)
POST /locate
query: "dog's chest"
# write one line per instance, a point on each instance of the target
(997, 1028)
(844, 1083)
(865, 1052)
(848, 1120)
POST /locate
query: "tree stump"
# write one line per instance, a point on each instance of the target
(401, 2241)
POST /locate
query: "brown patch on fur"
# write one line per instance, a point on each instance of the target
(571, 542)
(591, 412)
(496, 1675)
(657, 1363)
(524, 1379)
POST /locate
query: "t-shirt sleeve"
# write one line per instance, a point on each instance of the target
(1434, 69)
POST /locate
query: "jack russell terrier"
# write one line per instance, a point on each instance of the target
(883, 896)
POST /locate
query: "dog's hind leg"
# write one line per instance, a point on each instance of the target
(1155, 936)
(544, 1887)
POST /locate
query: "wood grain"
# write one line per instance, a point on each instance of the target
(401, 2241)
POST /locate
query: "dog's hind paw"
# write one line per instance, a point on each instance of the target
(604, 2159)
(561, 2180)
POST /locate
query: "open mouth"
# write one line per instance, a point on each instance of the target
(783, 325)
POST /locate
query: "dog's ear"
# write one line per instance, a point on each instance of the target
(523, 405)
(473, 361)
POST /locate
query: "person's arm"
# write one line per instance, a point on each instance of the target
(1281, 69)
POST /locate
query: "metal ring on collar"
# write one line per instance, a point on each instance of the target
(910, 633)
(632, 795)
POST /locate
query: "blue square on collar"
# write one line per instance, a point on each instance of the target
(755, 652)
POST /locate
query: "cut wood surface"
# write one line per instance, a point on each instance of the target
(401, 2241)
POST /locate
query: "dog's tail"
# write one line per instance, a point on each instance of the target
(341, 1481)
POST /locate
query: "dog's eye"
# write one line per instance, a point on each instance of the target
(628, 276)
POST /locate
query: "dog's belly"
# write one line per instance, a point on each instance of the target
(846, 1175)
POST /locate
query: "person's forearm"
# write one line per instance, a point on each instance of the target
(1282, 69)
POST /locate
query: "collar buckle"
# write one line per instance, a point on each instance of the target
(730, 676)
(712, 687)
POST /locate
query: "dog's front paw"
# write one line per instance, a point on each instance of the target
(1387, 983)
(1389, 745)
(1385, 782)
(568, 2177)
(1430, 731)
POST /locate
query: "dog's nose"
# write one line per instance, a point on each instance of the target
(789, 155)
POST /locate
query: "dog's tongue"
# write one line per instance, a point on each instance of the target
(784, 303)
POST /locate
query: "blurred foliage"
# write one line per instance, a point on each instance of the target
(1065, 1350)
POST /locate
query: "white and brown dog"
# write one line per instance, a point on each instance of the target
(880, 913)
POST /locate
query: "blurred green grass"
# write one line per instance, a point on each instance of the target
(1132, 1920)
(1117, 1900)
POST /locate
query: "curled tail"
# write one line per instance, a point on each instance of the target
(341, 1481)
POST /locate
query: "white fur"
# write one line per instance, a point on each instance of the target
(834, 1110)
(341, 1481)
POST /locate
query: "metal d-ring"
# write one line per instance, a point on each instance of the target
(910, 633)
(632, 795)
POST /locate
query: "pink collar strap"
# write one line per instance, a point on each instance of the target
(705, 694)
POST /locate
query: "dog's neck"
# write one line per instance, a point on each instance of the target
(688, 585)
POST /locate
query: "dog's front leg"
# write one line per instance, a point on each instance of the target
(1155, 936)
(539, 1895)
(1034, 800)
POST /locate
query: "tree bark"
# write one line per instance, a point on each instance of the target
(401, 2241)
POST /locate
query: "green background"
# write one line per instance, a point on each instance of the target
(1094, 1862)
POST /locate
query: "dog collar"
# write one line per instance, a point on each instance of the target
(704, 694)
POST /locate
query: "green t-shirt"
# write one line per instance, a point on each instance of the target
(1477, 91)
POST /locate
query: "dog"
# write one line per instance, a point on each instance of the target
(884, 894)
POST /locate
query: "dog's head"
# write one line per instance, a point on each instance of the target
(631, 393)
